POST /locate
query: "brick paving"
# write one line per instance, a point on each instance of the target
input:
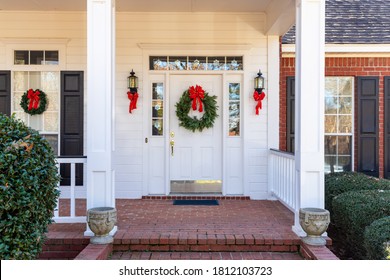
(155, 229)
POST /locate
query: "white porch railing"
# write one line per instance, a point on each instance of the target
(282, 179)
(69, 191)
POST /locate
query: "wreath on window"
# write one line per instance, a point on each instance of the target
(193, 97)
(34, 102)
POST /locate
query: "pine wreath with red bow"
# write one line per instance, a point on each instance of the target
(34, 102)
(197, 99)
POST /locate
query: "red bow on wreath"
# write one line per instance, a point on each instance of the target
(33, 96)
(258, 97)
(133, 97)
(196, 94)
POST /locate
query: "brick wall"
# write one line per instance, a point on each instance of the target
(341, 66)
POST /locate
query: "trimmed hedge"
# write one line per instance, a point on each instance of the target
(28, 189)
(353, 212)
(377, 239)
(341, 182)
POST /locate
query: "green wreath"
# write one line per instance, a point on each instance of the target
(183, 107)
(34, 102)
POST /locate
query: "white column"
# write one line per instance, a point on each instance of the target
(100, 89)
(272, 92)
(309, 105)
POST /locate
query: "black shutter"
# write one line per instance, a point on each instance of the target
(5, 92)
(72, 122)
(290, 114)
(368, 125)
(387, 128)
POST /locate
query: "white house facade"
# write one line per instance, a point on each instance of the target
(81, 53)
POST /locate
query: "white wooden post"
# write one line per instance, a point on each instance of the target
(309, 105)
(273, 104)
(100, 89)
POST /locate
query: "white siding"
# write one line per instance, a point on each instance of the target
(154, 28)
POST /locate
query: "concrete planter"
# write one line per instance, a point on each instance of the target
(101, 220)
(314, 221)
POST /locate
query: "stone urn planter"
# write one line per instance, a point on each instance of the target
(314, 221)
(101, 220)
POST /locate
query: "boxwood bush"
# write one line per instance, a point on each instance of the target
(341, 182)
(353, 212)
(377, 239)
(28, 189)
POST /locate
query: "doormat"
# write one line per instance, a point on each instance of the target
(208, 202)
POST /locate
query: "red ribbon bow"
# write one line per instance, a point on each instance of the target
(258, 97)
(133, 97)
(196, 94)
(33, 96)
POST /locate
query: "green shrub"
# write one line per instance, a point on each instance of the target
(353, 212)
(341, 182)
(28, 189)
(377, 239)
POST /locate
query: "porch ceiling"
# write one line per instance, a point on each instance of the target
(280, 13)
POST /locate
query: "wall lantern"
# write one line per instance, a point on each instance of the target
(259, 95)
(132, 94)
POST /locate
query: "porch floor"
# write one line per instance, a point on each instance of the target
(150, 225)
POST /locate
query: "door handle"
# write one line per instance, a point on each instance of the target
(172, 143)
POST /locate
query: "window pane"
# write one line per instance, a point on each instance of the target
(158, 63)
(21, 81)
(330, 145)
(17, 99)
(51, 122)
(331, 86)
(345, 124)
(53, 142)
(330, 124)
(345, 105)
(21, 57)
(36, 122)
(52, 101)
(157, 109)
(215, 63)
(157, 127)
(345, 86)
(36, 57)
(50, 81)
(177, 63)
(344, 163)
(51, 57)
(234, 63)
(344, 145)
(234, 118)
(196, 63)
(35, 80)
(158, 91)
(330, 164)
(330, 105)
(234, 91)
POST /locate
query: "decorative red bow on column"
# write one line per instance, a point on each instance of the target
(196, 94)
(33, 96)
(133, 97)
(258, 97)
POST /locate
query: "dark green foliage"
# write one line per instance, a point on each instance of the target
(28, 189)
(353, 212)
(377, 239)
(341, 182)
(183, 107)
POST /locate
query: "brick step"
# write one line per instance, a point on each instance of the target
(194, 197)
(128, 255)
(63, 247)
(208, 243)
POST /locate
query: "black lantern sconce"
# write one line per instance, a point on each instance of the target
(259, 95)
(132, 94)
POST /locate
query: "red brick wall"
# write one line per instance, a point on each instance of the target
(341, 66)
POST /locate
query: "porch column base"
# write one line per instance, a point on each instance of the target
(297, 229)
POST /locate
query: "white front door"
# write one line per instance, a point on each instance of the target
(196, 157)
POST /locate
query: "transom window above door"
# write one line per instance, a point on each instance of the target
(197, 63)
(36, 57)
